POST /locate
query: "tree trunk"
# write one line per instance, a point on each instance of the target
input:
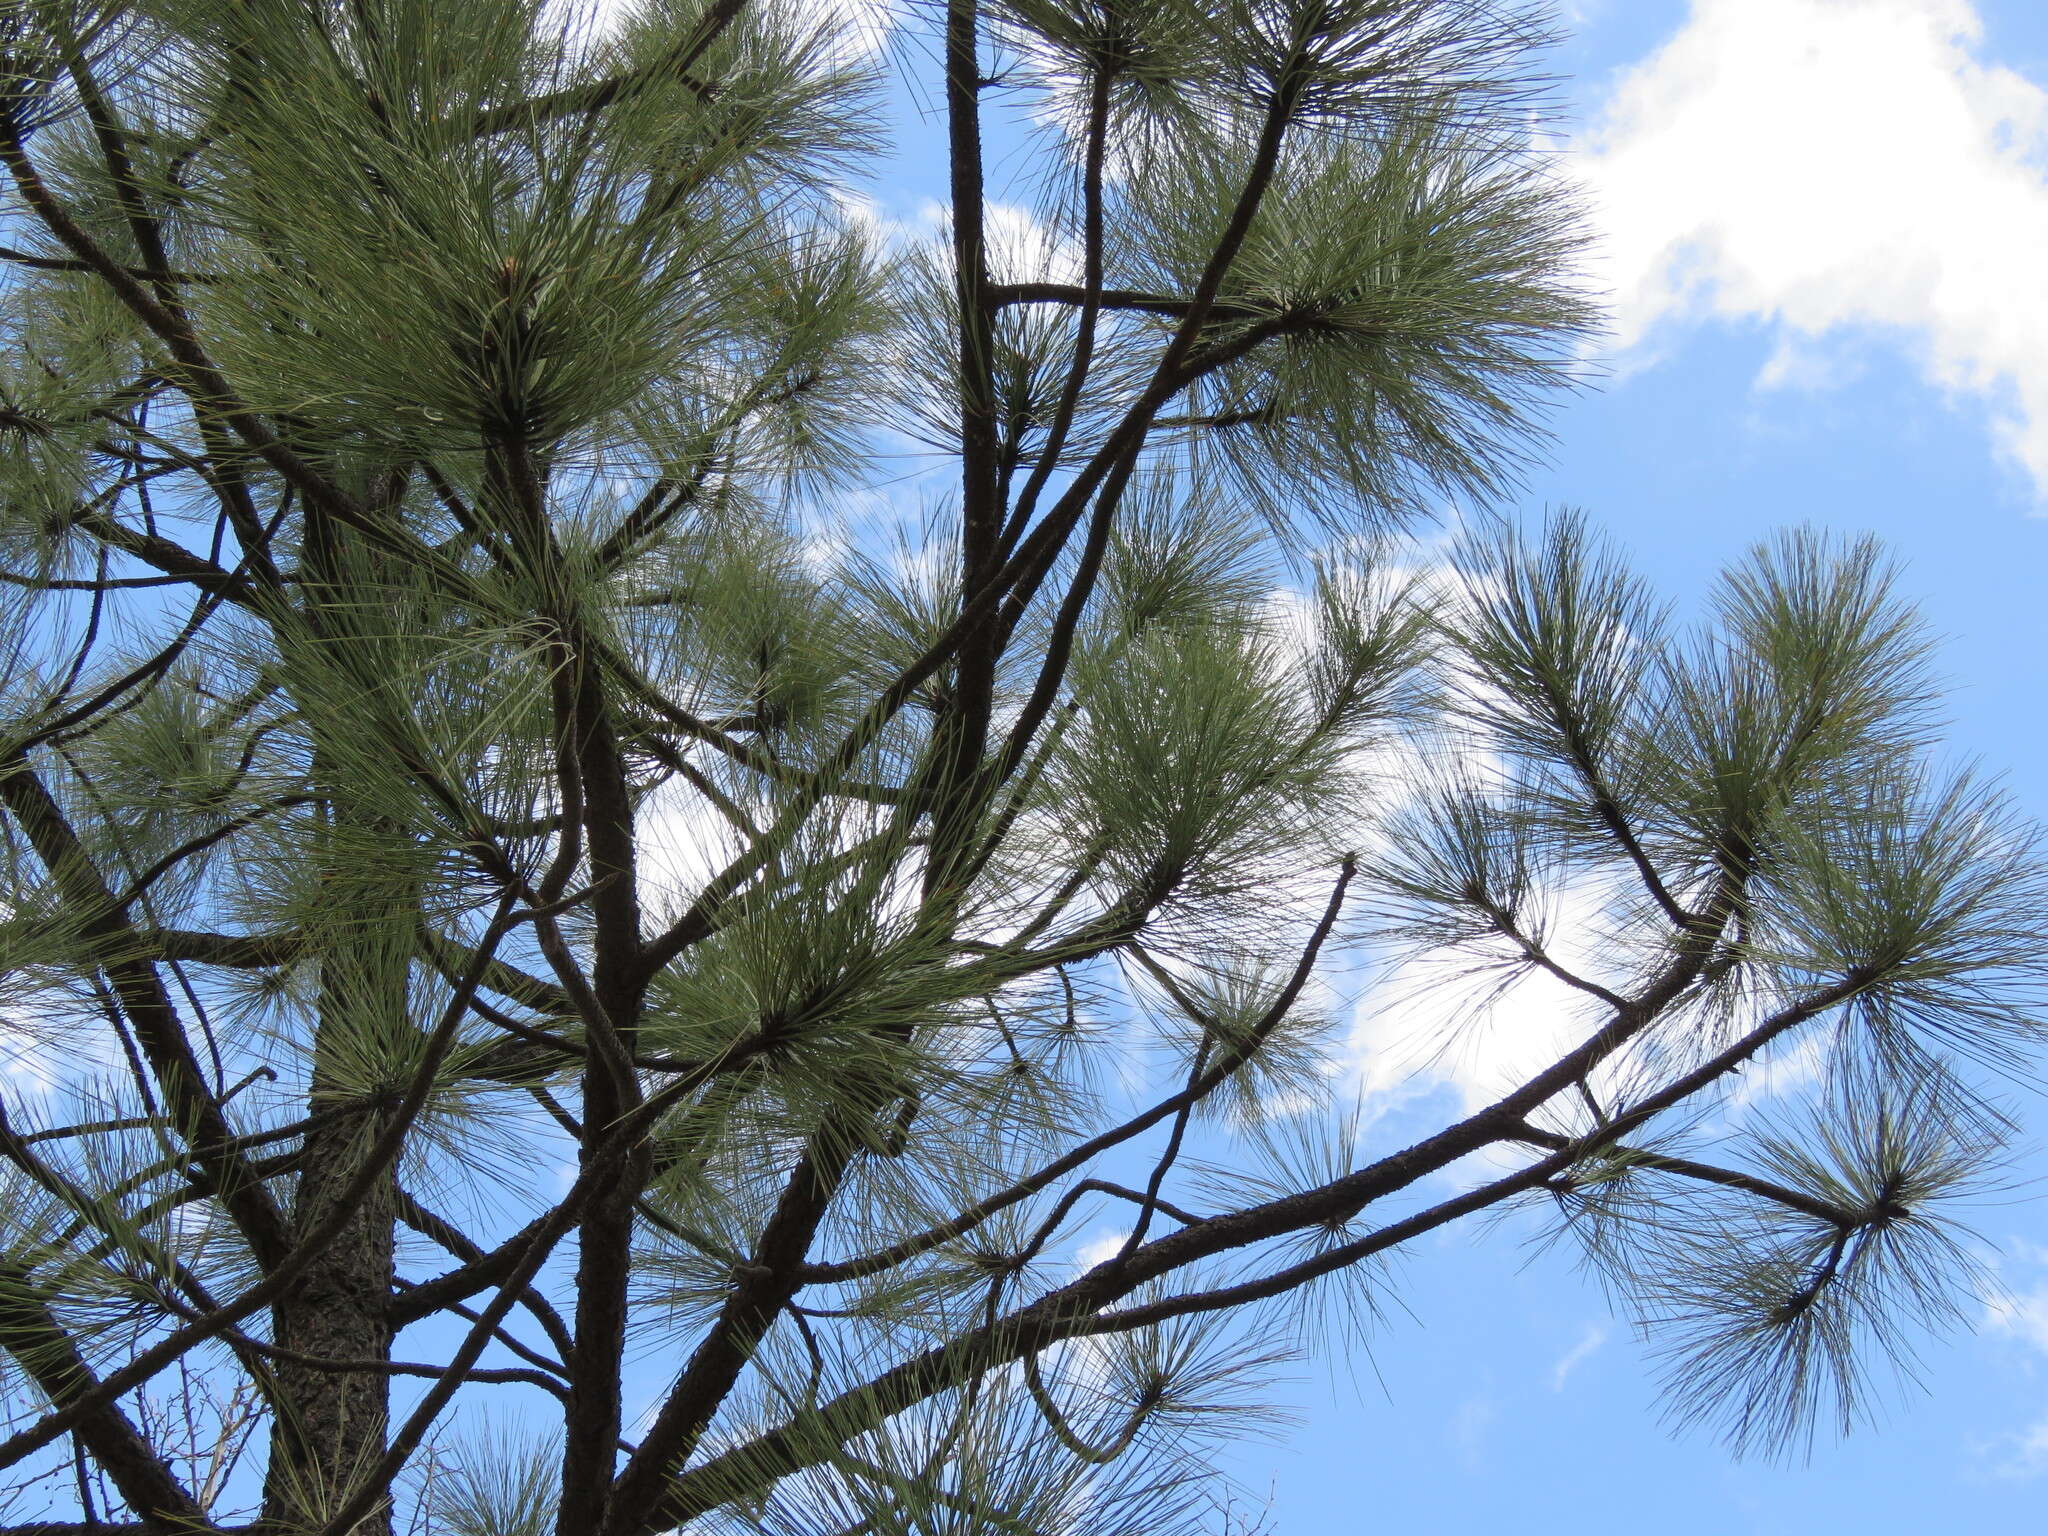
(332, 1426)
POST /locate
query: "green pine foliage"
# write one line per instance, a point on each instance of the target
(630, 801)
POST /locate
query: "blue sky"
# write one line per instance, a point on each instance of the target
(1826, 243)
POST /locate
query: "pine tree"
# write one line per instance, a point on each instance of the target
(576, 958)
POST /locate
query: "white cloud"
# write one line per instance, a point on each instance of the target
(2022, 1314)
(1781, 1073)
(684, 843)
(2024, 1455)
(1590, 1340)
(1101, 1248)
(1470, 1426)
(867, 23)
(1830, 169)
(1021, 248)
(1435, 1023)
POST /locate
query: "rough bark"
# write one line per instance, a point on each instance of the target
(334, 1424)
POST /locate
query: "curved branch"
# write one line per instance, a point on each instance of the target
(1056, 1421)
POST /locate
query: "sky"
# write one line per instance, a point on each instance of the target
(1822, 232)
